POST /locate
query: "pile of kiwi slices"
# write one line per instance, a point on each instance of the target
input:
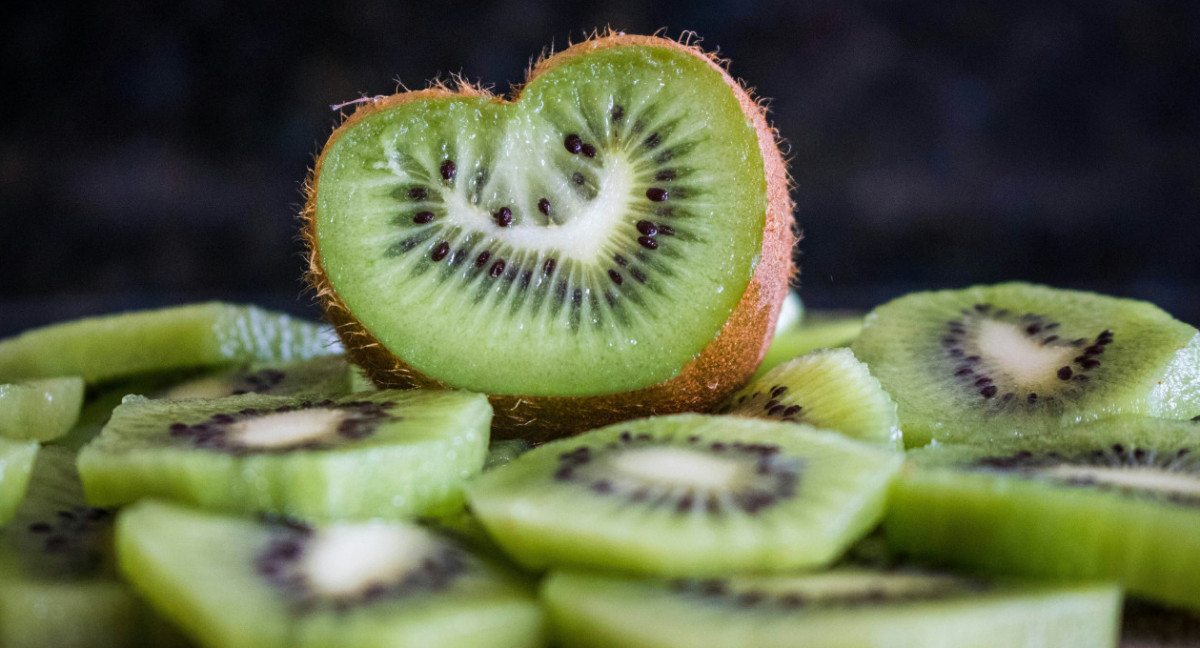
(567, 399)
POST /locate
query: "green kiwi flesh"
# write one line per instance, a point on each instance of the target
(686, 495)
(110, 347)
(502, 452)
(818, 330)
(591, 237)
(16, 464)
(842, 608)
(40, 410)
(238, 583)
(1117, 499)
(373, 454)
(1019, 359)
(828, 389)
(330, 375)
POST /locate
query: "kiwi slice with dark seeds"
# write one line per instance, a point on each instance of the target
(1117, 499)
(1019, 359)
(373, 454)
(687, 494)
(111, 347)
(16, 463)
(843, 608)
(40, 410)
(328, 375)
(239, 583)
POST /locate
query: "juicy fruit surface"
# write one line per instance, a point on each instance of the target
(383, 453)
(232, 583)
(845, 608)
(1117, 499)
(197, 335)
(16, 462)
(40, 409)
(997, 361)
(330, 375)
(651, 226)
(686, 495)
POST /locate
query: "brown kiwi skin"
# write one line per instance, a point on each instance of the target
(717, 371)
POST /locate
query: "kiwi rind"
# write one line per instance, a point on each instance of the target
(542, 521)
(414, 462)
(993, 508)
(40, 410)
(844, 608)
(714, 373)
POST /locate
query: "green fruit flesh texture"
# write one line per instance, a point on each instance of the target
(199, 570)
(542, 522)
(198, 335)
(827, 389)
(16, 464)
(829, 610)
(40, 410)
(1150, 364)
(412, 463)
(631, 321)
(330, 375)
(1128, 511)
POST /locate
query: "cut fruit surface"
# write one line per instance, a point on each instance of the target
(686, 495)
(827, 389)
(329, 375)
(198, 335)
(991, 362)
(40, 409)
(16, 463)
(622, 224)
(236, 583)
(843, 608)
(385, 453)
(1117, 499)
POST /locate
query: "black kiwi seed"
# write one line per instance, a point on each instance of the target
(573, 143)
(418, 193)
(637, 275)
(647, 228)
(653, 140)
(618, 113)
(620, 260)
(482, 258)
(448, 170)
(665, 175)
(656, 195)
(497, 268)
(440, 251)
(544, 206)
(503, 217)
(423, 217)
(548, 266)
(666, 230)
(616, 277)
(588, 150)
(1064, 373)
(647, 242)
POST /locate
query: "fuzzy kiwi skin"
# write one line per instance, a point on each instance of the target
(716, 372)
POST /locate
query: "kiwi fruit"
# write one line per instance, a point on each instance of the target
(374, 454)
(16, 463)
(612, 241)
(991, 362)
(239, 583)
(817, 330)
(329, 375)
(40, 410)
(842, 608)
(111, 347)
(502, 452)
(828, 389)
(1116, 499)
(686, 495)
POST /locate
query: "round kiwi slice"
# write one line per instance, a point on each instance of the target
(1117, 499)
(16, 463)
(613, 241)
(843, 608)
(1018, 359)
(109, 347)
(238, 583)
(828, 389)
(386, 453)
(328, 375)
(684, 495)
(40, 410)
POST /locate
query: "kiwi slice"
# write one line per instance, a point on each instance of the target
(58, 582)
(234, 583)
(818, 330)
(16, 463)
(109, 347)
(614, 241)
(1018, 360)
(385, 453)
(328, 375)
(1117, 499)
(686, 495)
(502, 452)
(843, 608)
(827, 389)
(40, 410)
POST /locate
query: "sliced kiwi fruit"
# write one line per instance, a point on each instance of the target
(16, 463)
(613, 241)
(111, 347)
(828, 389)
(58, 582)
(329, 375)
(1019, 359)
(502, 452)
(843, 608)
(240, 583)
(374, 454)
(1116, 499)
(686, 495)
(40, 410)
(818, 330)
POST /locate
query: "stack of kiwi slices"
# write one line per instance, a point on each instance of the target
(545, 418)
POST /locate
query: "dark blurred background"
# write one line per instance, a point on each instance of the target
(153, 153)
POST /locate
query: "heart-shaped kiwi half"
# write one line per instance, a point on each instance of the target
(611, 242)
